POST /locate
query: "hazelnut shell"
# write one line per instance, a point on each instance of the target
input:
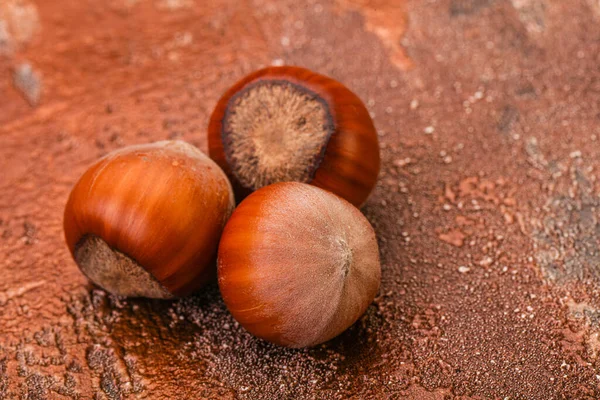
(146, 220)
(348, 161)
(297, 265)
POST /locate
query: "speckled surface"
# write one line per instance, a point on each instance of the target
(486, 208)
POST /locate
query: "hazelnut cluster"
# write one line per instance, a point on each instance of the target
(297, 262)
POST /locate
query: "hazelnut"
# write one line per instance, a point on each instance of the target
(297, 265)
(283, 124)
(146, 220)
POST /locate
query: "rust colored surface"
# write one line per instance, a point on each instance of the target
(486, 209)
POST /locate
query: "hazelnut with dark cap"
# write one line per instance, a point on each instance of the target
(288, 123)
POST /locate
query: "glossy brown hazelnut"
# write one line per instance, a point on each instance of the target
(145, 221)
(283, 124)
(297, 265)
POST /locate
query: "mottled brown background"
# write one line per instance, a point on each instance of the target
(486, 208)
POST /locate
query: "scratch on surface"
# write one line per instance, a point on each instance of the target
(12, 293)
(28, 82)
(19, 23)
(531, 14)
(387, 20)
(39, 116)
(595, 6)
(174, 4)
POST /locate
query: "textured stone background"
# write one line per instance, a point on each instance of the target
(486, 208)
